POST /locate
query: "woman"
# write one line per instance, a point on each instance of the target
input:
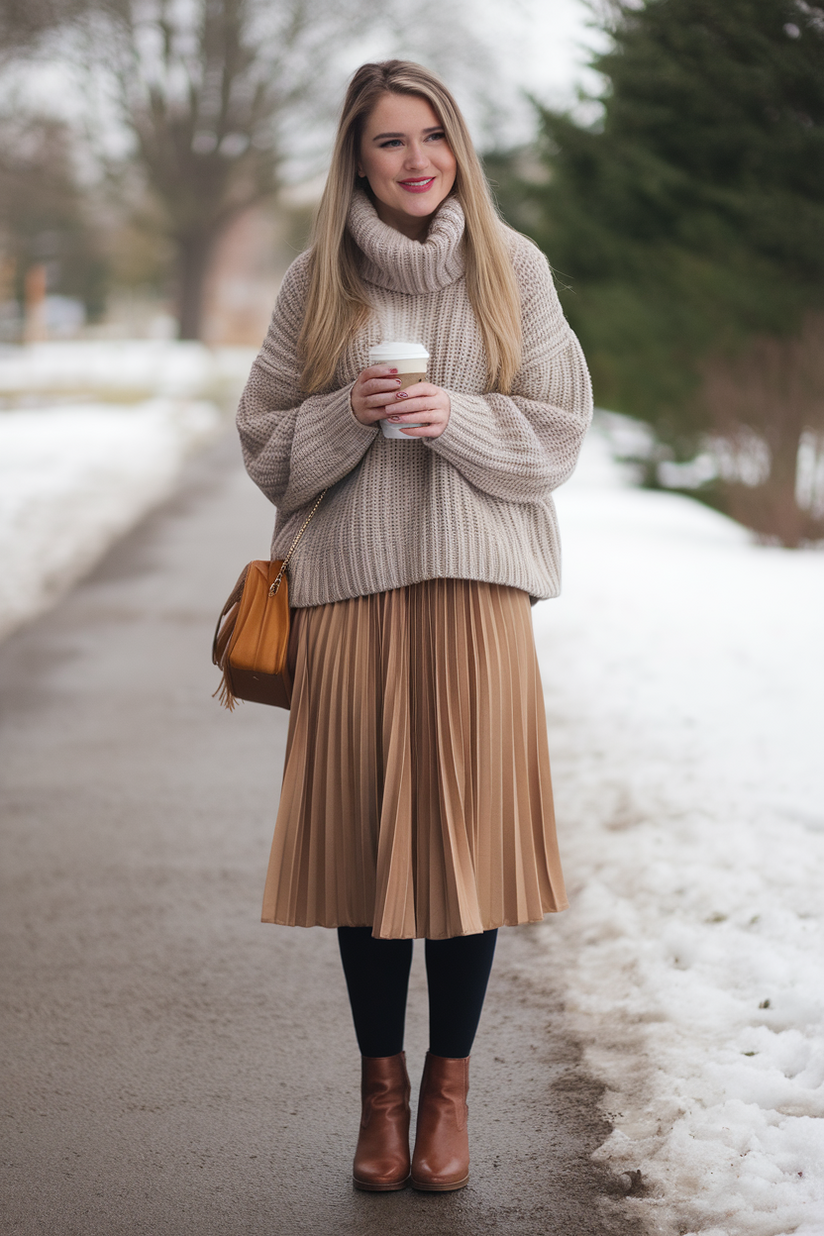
(416, 797)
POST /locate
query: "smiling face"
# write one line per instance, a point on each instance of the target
(405, 157)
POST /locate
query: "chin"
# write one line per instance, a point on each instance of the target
(421, 206)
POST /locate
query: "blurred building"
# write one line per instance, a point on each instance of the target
(250, 263)
(244, 279)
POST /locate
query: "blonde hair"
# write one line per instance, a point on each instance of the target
(337, 303)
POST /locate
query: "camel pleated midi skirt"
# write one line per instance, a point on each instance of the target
(416, 794)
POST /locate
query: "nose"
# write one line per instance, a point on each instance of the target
(416, 155)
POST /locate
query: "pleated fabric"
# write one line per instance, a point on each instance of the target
(416, 794)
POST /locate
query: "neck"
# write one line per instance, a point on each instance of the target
(407, 225)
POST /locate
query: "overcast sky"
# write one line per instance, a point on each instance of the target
(543, 44)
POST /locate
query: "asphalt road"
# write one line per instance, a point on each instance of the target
(170, 1065)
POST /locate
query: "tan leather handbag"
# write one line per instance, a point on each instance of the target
(251, 641)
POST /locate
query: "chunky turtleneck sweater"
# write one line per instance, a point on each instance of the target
(473, 503)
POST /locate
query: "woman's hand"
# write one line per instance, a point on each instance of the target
(376, 395)
(374, 388)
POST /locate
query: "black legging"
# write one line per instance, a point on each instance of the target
(377, 976)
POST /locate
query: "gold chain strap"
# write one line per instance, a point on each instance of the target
(276, 581)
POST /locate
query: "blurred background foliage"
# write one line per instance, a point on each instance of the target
(44, 212)
(684, 217)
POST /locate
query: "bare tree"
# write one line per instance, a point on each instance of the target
(23, 23)
(209, 89)
(201, 86)
(767, 408)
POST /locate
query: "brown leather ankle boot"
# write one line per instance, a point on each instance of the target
(441, 1158)
(382, 1156)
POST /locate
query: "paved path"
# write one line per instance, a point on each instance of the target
(171, 1066)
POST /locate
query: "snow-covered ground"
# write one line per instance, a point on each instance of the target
(92, 435)
(121, 368)
(684, 677)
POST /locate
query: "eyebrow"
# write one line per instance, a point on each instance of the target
(435, 128)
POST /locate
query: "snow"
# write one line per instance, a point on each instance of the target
(684, 680)
(123, 367)
(92, 436)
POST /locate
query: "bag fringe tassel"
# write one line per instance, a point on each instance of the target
(225, 697)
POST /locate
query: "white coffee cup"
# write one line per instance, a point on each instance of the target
(410, 360)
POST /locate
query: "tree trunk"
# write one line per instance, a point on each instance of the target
(773, 391)
(194, 251)
(771, 509)
(789, 520)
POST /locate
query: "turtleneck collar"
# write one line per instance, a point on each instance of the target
(391, 260)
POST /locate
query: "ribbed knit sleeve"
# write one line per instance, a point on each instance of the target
(293, 447)
(520, 447)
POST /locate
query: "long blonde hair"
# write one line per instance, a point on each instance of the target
(337, 302)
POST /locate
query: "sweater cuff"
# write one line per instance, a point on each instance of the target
(463, 433)
(329, 440)
(342, 423)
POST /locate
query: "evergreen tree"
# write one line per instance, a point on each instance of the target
(689, 221)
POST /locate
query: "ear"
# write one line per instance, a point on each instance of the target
(359, 170)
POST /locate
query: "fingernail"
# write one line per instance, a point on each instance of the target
(393, 418)
(393, 371)
(398, 381)
(402, 394)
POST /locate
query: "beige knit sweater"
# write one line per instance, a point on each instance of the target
(474, 503)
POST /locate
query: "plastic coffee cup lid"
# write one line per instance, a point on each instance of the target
(397, 351)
